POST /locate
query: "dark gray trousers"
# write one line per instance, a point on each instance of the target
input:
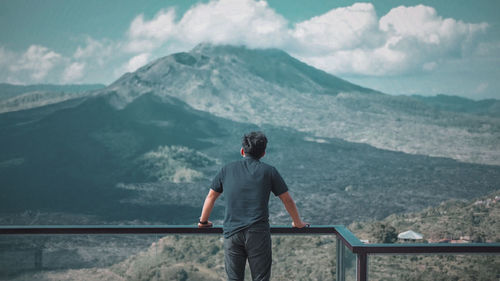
(254, 244)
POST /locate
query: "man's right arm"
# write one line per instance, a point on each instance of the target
(207, 208)
(292, 210)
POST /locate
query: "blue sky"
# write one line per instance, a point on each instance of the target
(398, 47)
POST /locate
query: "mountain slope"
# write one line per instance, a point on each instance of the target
(71, 159)
(479, 219)
(489, 107)
(18, 97)
(10, 90)
(270, 87)
(153, 159)
(36, 99)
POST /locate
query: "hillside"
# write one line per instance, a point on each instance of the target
(477, 220)
(270, 87)
(19, 97)
(486, 107)
(84, 148)
(10, 90)
(153, 160)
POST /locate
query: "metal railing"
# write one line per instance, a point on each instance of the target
(345, 239)
(362, 250)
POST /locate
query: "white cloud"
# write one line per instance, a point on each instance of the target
(160, 27)
(98, 51)
(344, 41)
(422, 23)
(353, 40)
(73, 72)
(37, 61)
(137, 61)
(248, 22)
(147, 35)
(425, 36)
(338, 29)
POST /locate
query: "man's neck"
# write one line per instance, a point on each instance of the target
(248, 156)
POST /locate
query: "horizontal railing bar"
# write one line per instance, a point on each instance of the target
(428, 248)
(342, 233)
(147, 229)
(108, 229)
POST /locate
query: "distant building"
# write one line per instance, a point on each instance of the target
(410, 235)
(466, 238)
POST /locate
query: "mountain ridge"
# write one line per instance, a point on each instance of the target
(490, 107)
(248, 85)
(21, 97)
(9, 90)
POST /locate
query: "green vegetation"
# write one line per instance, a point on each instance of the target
(478, 220)
(434, 267)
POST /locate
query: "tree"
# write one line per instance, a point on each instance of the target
(385, 234)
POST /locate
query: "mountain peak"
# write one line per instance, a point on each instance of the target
(212, 49)
(234, 72)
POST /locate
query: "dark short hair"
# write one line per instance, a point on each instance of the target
(254, 144)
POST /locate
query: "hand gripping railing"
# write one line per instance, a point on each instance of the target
(345, 238)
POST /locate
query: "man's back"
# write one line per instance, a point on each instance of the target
(246, 185)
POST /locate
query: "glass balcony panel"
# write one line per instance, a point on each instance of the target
(303, 257)
(67, 257)
(453, 267)
(350, 263)
(154, 257)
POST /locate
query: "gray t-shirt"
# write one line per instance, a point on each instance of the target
(247, 185)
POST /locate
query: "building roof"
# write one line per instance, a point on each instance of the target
(410, 234)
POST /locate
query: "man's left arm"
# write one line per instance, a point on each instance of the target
(207, 208)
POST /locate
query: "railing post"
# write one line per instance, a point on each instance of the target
(340, 249)
(362, 267)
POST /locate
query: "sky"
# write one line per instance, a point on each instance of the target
(397, 47)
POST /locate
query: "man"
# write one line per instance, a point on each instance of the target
(247, 185)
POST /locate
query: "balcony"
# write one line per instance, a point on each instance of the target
(165, 252)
